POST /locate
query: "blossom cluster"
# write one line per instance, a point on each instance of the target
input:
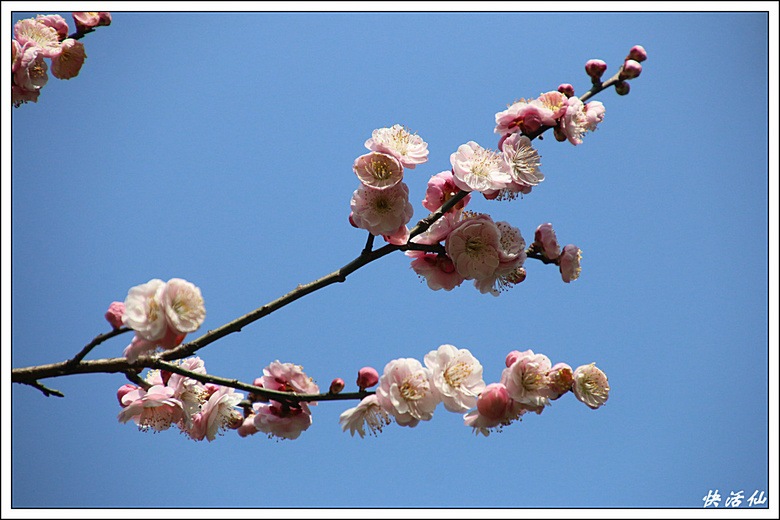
(46, 36)
(199, 410)
(409, 391)
(160, 313)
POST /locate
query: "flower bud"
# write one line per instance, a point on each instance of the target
(566, 89)
(114, 314)
(595, 68)
(336, 386)
(512, 357)
(367, 377)
(631, 69)
(622, 88)
(637, 53)
(124, 390)
(493, 401)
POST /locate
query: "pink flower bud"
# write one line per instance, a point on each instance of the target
(114, 314)
(247, 427)
(512, 357)
(336, 386)
(367, 377)
(637, 53)
(595, 68)
(631, 69)
(622, 88)
(124, 390)
(566, 89)
(493, 401)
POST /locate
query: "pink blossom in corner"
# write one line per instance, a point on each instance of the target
(473, 245)
(367, 377)
(526, 379)
(114, 314)
(378, 170)
(144, 312)
(524, 117)
(544, 238)
(282, 422)
(381, 211)
(155, 408)
(590, 385)
(441, 188)
(32, 33)
(523, 160)
(67, 64)
(31, 70)
(478, 169)
(457, 375)
(570, 263)
(438, 271)
(367, 413)
(408, 148)
(183, 306)
(56, 22)
(406, 392)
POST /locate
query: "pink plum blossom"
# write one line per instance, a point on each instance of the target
(560, 379)
(441, 188)
(437, 231)
(595, 69)
(590, 385)
(398, 237)
(144, 312)
(495, 409)
(511, 256)
(281, 421)
(336, 386)
(183, 306)
(631, 69)
(217, 414)
(114, 314)
(368, 413)
(555, 101)
(478, 169)
(67, 64)
(123, 391)
(637, 53)
(566, 89)
(580, 118)
(523, 160)
(526, 379)
(523, 117)
(190, 392)
(367, 377)
(457, 375)
(544, 238)
(247, 427)
(473, 245)
(34, 34)
(408, 148)
(88, 20)
(570, 263)
(407, 392)
(378, 170)
(381, 212)
(155, 408)
(31, 70)
(56, 22)
(438, 271)
(288, 377)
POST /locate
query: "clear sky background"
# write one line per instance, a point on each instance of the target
(218, 147)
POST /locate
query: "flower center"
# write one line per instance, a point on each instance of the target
(413, 387)
(380, 171)
(457, 373)
(474, 246)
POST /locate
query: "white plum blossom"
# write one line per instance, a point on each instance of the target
(526, 379)
(406, 392)
(477, 169)
(590, 385)
(408, 148)
(144, 312)
(523, 160)
(457, 376)
(183, 306)
(367, 413)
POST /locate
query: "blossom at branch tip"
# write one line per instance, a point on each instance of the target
(408, 148)
(523, 160)
(569, 263)
(155, 408)
(441, 188)
(368, 413)
(381, 212)
(457, 375)
(67, 64)
(378, 170)
(475, 168)
(590, 385)
(406, 392)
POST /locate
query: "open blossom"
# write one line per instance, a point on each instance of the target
(438, 270)
(87, 20)
(68, 62)
(406, 392)
(190, 392)
(288, 377)
(217, 414)
(457, 376)
(280, 421)
(580, 118)
(32, 33)
(523, 160)
(524, 117)
(56, 22)
(155, 408)
(378, 170)
(473, 245)
(544, 238)
(144, 311)
(381, 212)
(31, 70)
(367, 413)
(590, 385)
(511, 256)
(183, 305)
(441, 188)
(555, 101)
(526, 379)
(570, 263)
(408, 148)
(478, 169)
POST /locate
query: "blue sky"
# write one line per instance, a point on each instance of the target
(217, 147)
